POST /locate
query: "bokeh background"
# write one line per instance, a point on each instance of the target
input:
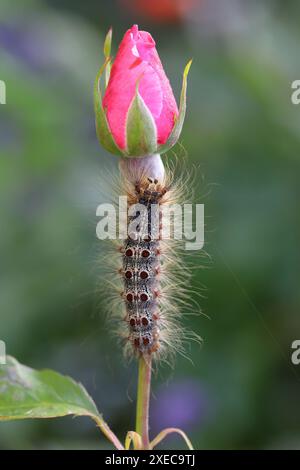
(240, 389)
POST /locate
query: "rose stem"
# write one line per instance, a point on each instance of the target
(143, 400)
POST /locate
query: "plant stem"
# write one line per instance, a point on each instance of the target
(107, 432)
(143, 401)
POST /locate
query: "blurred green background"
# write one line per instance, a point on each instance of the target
(240, 390)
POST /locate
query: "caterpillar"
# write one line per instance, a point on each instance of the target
(141, 269)
(147, 277)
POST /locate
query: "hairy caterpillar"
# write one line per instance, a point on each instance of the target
(146, 271)
(141, 269)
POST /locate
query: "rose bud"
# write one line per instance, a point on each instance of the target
(138, 114)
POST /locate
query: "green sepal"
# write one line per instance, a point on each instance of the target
(106, 52)
(107, 43)
(102, 127)
(176, 131)
(141, 134)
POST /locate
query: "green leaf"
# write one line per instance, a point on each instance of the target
(27, 393)
(102, 127)
(141, 134)
(174, 136)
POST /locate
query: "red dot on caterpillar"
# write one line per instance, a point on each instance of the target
(129, 297)
(146, 341)
(144, 297)
(144, 275)
(132, 322)
(145, 253)
(129, 252)
(145, 321)
(128, 274)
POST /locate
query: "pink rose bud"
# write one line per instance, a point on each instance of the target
(138, 115)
